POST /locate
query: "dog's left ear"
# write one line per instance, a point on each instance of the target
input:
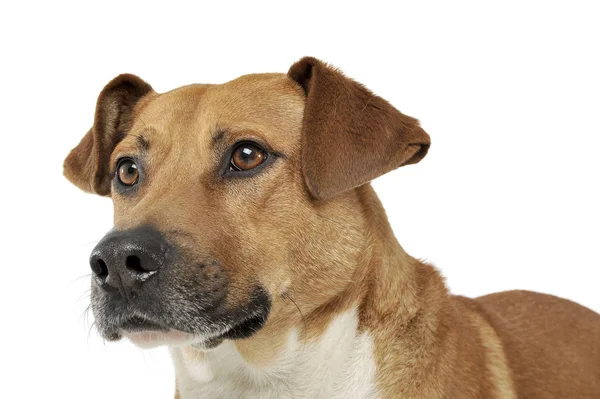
(87, 165)
(349, 135)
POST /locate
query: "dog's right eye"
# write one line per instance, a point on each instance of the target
(127, 172)
(246, 156)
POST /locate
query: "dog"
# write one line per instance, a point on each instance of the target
(248, 240)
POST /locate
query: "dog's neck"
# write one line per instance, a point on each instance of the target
(339, 364)
(340, 361)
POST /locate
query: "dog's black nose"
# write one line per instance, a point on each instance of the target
(125, 259)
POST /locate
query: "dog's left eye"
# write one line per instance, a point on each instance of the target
(246, 156)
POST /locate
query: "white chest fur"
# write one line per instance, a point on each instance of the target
(337, 365)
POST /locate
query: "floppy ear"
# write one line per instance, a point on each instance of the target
(87, 164)
(349, 135)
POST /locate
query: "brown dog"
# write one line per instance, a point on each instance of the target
(248, 239)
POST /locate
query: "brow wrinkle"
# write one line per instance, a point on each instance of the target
(142, 141)
(218, 135)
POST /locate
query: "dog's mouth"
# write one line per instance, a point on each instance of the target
(146, 333)
(148, 322)
(206, 329)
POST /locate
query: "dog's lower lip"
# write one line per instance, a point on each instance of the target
(146, 333)
(140, 324)
(244, 329)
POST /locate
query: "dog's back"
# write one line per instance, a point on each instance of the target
(552, 345)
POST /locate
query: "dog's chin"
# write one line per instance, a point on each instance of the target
(148, 339)
(153, 339)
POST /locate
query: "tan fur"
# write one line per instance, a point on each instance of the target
(321, 246)
(496, 362)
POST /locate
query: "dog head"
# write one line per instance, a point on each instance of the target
(230, 200)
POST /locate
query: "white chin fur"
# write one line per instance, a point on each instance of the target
(153, 339)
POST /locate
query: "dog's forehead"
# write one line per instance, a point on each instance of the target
(269, 104)
(268, 98)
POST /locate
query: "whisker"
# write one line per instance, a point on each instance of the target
(302, 318)
(85, 313)
(90, 332)
(82, 295)
(79, 278)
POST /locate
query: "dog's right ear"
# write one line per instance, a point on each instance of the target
(87, 165)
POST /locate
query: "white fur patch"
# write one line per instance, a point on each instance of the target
(338, 365)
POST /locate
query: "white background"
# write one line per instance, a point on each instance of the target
(507, 197)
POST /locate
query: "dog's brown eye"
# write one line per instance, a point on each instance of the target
(127, 172)
(246, 156)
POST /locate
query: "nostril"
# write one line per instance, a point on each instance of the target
(100, 269)
(134, 264)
